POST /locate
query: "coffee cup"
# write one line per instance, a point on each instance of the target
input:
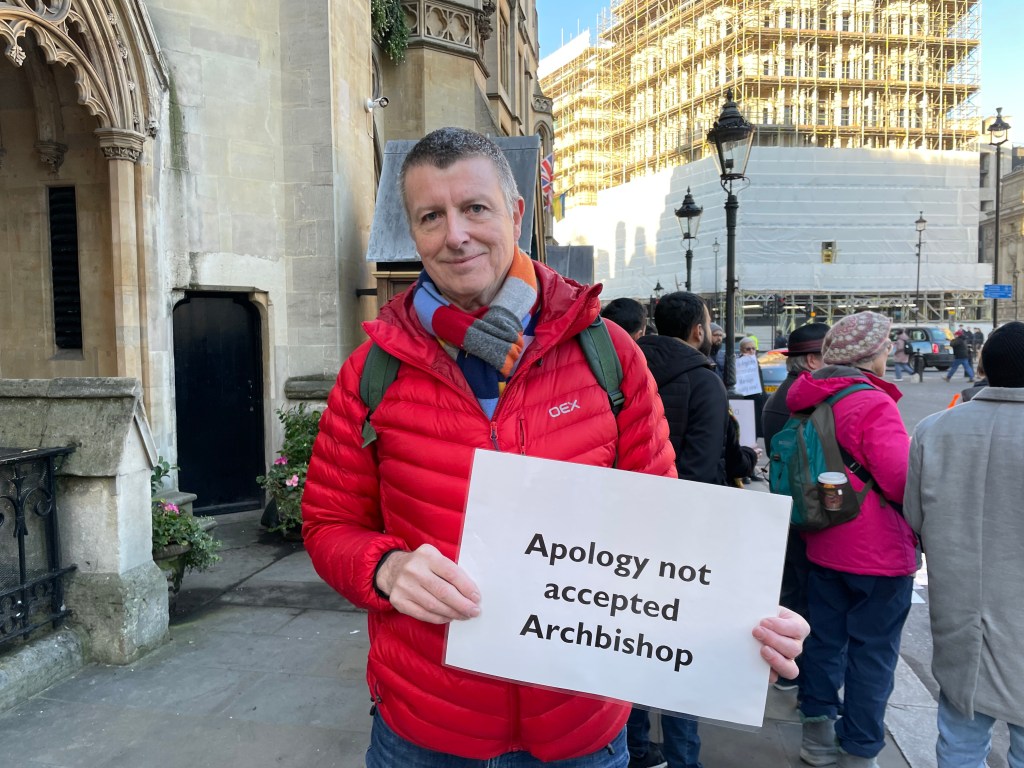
(831, 487)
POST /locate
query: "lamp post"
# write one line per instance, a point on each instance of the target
(689, 212)
(718, 305)
(732, 137)
(920, 224)
(997, 131)
(655, 295)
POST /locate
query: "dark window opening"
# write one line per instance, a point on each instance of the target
(67, 296)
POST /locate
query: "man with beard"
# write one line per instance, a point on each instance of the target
(697, 410)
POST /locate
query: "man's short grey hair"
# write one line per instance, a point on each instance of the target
(446, 146)
(798, 363)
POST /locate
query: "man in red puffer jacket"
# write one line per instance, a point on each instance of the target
(486, 340)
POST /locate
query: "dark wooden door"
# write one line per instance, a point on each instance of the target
(218, 384)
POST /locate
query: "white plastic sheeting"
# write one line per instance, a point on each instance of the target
(864, 200)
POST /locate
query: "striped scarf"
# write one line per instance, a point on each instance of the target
(488, 344)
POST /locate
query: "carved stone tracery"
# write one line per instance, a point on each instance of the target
(108, 66)
(450, 24)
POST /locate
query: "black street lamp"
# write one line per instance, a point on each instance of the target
(718, 304)
(655, 295)
(997, 131)
(920, 224)
(690, 212)
(732, 137)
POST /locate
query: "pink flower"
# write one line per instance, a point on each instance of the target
(292, 481)
(280, 460)
(171, 508)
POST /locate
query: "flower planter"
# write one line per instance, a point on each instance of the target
(171, 560)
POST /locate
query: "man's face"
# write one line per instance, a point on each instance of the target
(462, 228)
(717, 337)
(748, 349)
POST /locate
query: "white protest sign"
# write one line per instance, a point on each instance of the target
(620, 584)
(743, 410)
(748, 378)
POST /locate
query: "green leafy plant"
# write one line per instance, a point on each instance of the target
(161, 471)
(390, 32)
(172, 527)
(286, 478)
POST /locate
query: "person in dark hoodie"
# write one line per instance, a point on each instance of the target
(861, 579)
(695, 400)
(697, 410)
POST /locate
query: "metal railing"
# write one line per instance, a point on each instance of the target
(31, 576)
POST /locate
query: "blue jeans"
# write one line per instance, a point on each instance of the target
(965, 743)
(899, 368)
(389, 750)
(681, 745)
(855, 641)
(957, 362)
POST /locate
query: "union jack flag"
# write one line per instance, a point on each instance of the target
(547, 176)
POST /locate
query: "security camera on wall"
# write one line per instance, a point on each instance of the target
(381, 102)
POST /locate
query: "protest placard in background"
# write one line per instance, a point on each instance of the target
(743, 410)
(748, 375)
(619, 584)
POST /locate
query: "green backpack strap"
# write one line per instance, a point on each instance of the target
(603, 360)
(379, 371)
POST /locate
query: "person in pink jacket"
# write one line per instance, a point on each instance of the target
(861, 576)
(487, 341)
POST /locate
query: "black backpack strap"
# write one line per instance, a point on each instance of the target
(604, 361)
(847, 458)
(379, 371)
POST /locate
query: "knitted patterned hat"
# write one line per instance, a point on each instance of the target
(1002, 357)
(855, 338)
(806, 339)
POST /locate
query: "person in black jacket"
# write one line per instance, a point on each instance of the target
(803, 354)
(961, 357)
(707, 451)
(695, 400)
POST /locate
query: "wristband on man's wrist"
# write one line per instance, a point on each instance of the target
(380, 592)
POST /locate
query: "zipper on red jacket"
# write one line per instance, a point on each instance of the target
(522, 435)
(494, 436)
(514, 735)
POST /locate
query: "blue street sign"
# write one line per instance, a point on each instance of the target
(998, 291)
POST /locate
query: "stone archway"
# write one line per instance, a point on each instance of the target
(109, 47)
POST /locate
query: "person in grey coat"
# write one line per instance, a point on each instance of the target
(963, 498)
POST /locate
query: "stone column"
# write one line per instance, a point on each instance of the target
(122, 149)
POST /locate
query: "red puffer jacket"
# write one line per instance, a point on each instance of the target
(410, 486)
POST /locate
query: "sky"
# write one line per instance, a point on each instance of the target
(1002, 66)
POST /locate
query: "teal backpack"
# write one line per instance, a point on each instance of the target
(804, 448)
(381, 368)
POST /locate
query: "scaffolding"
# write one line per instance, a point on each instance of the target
(577, 99)
(890, 74)
(926, 307)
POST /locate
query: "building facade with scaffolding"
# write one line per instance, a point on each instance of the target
(868, 83)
